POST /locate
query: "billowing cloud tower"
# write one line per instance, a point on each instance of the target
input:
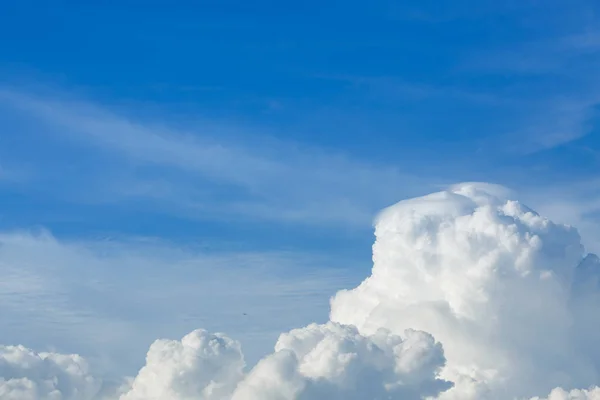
(493, 281)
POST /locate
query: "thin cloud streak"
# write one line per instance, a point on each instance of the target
(271, 179)
(555, 81)
(554, 123)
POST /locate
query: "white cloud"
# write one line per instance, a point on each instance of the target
(329, 361)
(472, 296)
(333, 361)
(490, 279)
(26, 375)
(201, 366)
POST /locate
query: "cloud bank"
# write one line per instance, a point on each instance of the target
(472, 295)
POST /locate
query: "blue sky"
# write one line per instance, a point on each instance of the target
(222, 129)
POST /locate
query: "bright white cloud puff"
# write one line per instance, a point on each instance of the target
(472, 296)
(333, 361)
(26, 375)
(200, 366)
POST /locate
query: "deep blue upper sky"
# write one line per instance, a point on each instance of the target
(354, 105)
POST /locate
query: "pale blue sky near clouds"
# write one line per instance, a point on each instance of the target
(273, 130)
(109, 299)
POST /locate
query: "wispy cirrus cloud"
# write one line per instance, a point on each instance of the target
(212, 169)
(553, 82)
(552, 123)
(557, 54)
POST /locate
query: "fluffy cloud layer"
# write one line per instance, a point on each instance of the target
(336, 362)
(26, 375)
(329, 361)
(472, 296)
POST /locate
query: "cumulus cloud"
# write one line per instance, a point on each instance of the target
(472, 295)
(329, 361)
(200, 366)
(27, 375)
(490, 279)
(334, 361)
